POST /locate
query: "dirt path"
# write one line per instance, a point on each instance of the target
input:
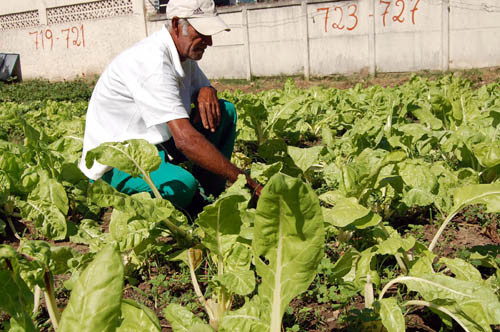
(477, 76)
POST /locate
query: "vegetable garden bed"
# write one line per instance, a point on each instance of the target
(380, 210)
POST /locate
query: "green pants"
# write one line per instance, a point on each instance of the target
(174, 182)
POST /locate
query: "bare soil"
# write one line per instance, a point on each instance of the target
(478, 77)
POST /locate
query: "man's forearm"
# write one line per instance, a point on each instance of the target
(200, 151)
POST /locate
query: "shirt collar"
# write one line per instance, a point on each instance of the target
(167, 38)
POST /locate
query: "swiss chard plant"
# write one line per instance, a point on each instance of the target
(95, 303)
(286, 246)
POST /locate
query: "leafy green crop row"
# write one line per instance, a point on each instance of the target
(40, 90)
(344, 162)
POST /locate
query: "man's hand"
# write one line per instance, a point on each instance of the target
(208, 108)
(254, 186)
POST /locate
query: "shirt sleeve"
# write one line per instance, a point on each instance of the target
(159, 100)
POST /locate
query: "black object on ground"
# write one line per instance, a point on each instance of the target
(10, 67)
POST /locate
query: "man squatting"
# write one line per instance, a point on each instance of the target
(146, 92)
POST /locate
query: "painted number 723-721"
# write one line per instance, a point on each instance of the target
(347, 17)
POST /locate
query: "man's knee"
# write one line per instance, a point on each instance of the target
(228, 111)
(180, 191)
(174, 182)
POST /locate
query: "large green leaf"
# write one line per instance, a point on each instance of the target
(276, 150)
(59, 257)
(348, 212)
(134, 157)
(366, 265)
(221, 224)
(47, 217)
(89, 232)
(183, 320)
(488, 154)
(239, 258)
(392, 245)
(52, 192)
(304, 158)
(5, 187)
(391, 315)
(418, 197)
(33, 270)
(31, 177)
(72, 174)
(345, 263)
(288, 242)
(422, 264)
(262, 172)
(38, 250)
(102, 194)
(136, 317)
(128, 230)
(238, 282)
(474, 299)
(237, 277)
(95, 301)
(11, 165)
(252, 317)
(488, 194)
(141, 204)
(359, 178)
(68, 146)
(418, 174)
(331, 197)
(425, 116)
(415, 131)
(349, 181)
(153, 209)
(16, 299)
(33, 137)
(462, 270)
(345, 212)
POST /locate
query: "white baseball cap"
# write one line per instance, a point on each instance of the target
(201, 14)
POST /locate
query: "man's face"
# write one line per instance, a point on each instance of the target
(193, 45)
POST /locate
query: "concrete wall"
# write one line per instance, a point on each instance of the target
(318, 38)
(62, 39)
(474, 32)
(313, 37)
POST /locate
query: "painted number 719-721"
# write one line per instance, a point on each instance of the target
(47, 39)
